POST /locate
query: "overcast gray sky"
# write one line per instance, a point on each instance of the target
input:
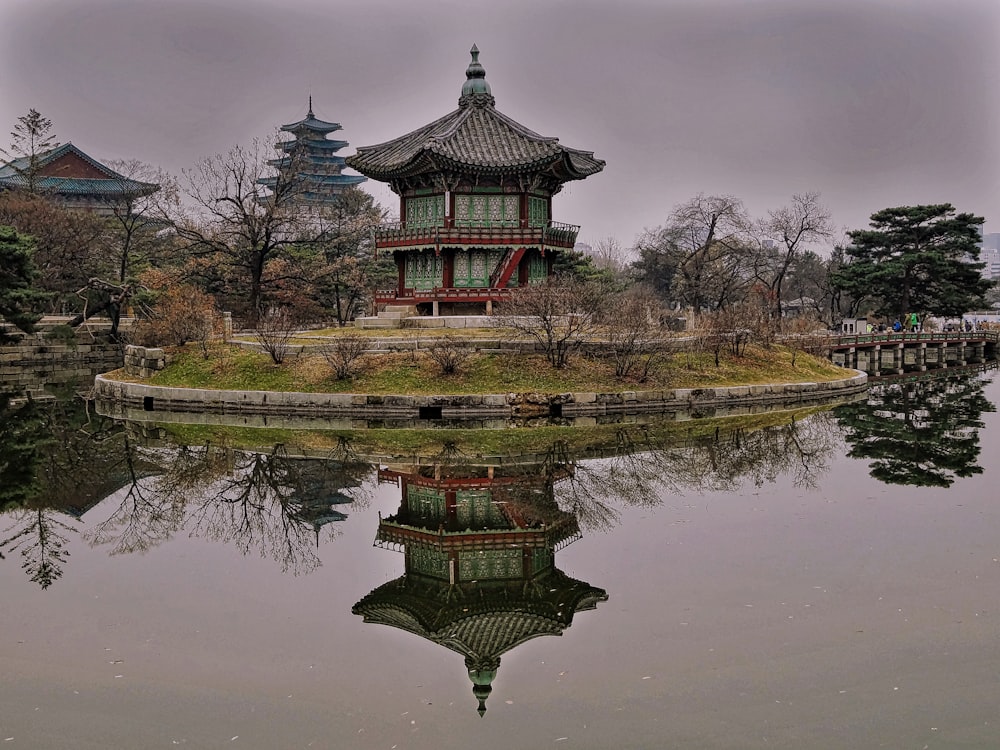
(872, 103)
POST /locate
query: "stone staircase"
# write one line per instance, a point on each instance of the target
(391, 316)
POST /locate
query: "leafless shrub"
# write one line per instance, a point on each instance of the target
(274, 331)
(345, 355)
(449, 354)
(805, 334)
(633, 332)
(559, 314)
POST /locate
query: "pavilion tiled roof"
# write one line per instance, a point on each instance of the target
(475, 137)
(111, 185)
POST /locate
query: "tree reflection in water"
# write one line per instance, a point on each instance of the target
(921, 431)
(54, 465)
(268, 502)
(58, 462)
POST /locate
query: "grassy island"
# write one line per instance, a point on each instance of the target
(232, 367)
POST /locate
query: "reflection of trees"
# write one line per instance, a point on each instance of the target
(641, 466)
(919, 432)
(40, 536)
(55, 462)
(264, 502)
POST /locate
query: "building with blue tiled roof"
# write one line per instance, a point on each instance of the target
(73, 178)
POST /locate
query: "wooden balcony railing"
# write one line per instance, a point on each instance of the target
(446, 232)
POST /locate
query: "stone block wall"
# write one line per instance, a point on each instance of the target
(143, 361)
(36, 362)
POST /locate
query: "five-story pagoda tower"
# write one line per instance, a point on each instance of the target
(475, 192)
(310, 162)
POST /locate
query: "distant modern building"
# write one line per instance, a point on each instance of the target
(74, 179)
(475, 191)
(990, 255)
(310, 159)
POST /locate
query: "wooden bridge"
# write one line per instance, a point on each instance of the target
(896, 353)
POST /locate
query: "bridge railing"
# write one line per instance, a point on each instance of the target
(908, 337)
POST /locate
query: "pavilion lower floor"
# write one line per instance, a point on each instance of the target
(463, 281)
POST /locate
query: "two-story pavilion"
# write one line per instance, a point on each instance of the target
(475, 211)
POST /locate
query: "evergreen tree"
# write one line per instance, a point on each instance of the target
(30, 141)
(18, 297)
(916, 259)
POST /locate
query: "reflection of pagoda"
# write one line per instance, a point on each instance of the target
(312, 159)
(480, 565)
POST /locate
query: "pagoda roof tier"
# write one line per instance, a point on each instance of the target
(476, 138)
(307, 160)
(316, 180)
(311, 122)
(66, 170)
(483, 620)
(308, 143)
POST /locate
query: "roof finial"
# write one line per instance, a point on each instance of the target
(475, 89)
(311, 106)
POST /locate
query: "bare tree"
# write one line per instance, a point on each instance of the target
(783, 236)
(634, 331)
(558, 314)
(238, 222)
(609, 255)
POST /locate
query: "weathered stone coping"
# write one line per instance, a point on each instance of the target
(152, 398)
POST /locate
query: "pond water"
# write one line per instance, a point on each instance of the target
(827, 579)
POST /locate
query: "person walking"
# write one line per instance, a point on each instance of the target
(914, 322)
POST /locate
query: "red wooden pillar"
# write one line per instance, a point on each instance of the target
(448, 272)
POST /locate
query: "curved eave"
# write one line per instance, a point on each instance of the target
(311, 124)
(562, 165)
(84, 186)
(309, 143)
(307, 161)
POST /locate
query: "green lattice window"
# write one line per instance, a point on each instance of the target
(427, 560)
(491, 564)
(425, 212)
(538, 212)
(425, 503)
(486, 210)
(541, 559)
(475, 509)
(424, 270)
(472, 268)
(538, 268)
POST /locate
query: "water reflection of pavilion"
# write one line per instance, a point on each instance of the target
(479, 552)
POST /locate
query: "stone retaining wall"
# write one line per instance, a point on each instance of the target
(35, 362)
(701, 401)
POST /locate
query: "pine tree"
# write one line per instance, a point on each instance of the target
(31, 140)
(917, 259)
(18, 296)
